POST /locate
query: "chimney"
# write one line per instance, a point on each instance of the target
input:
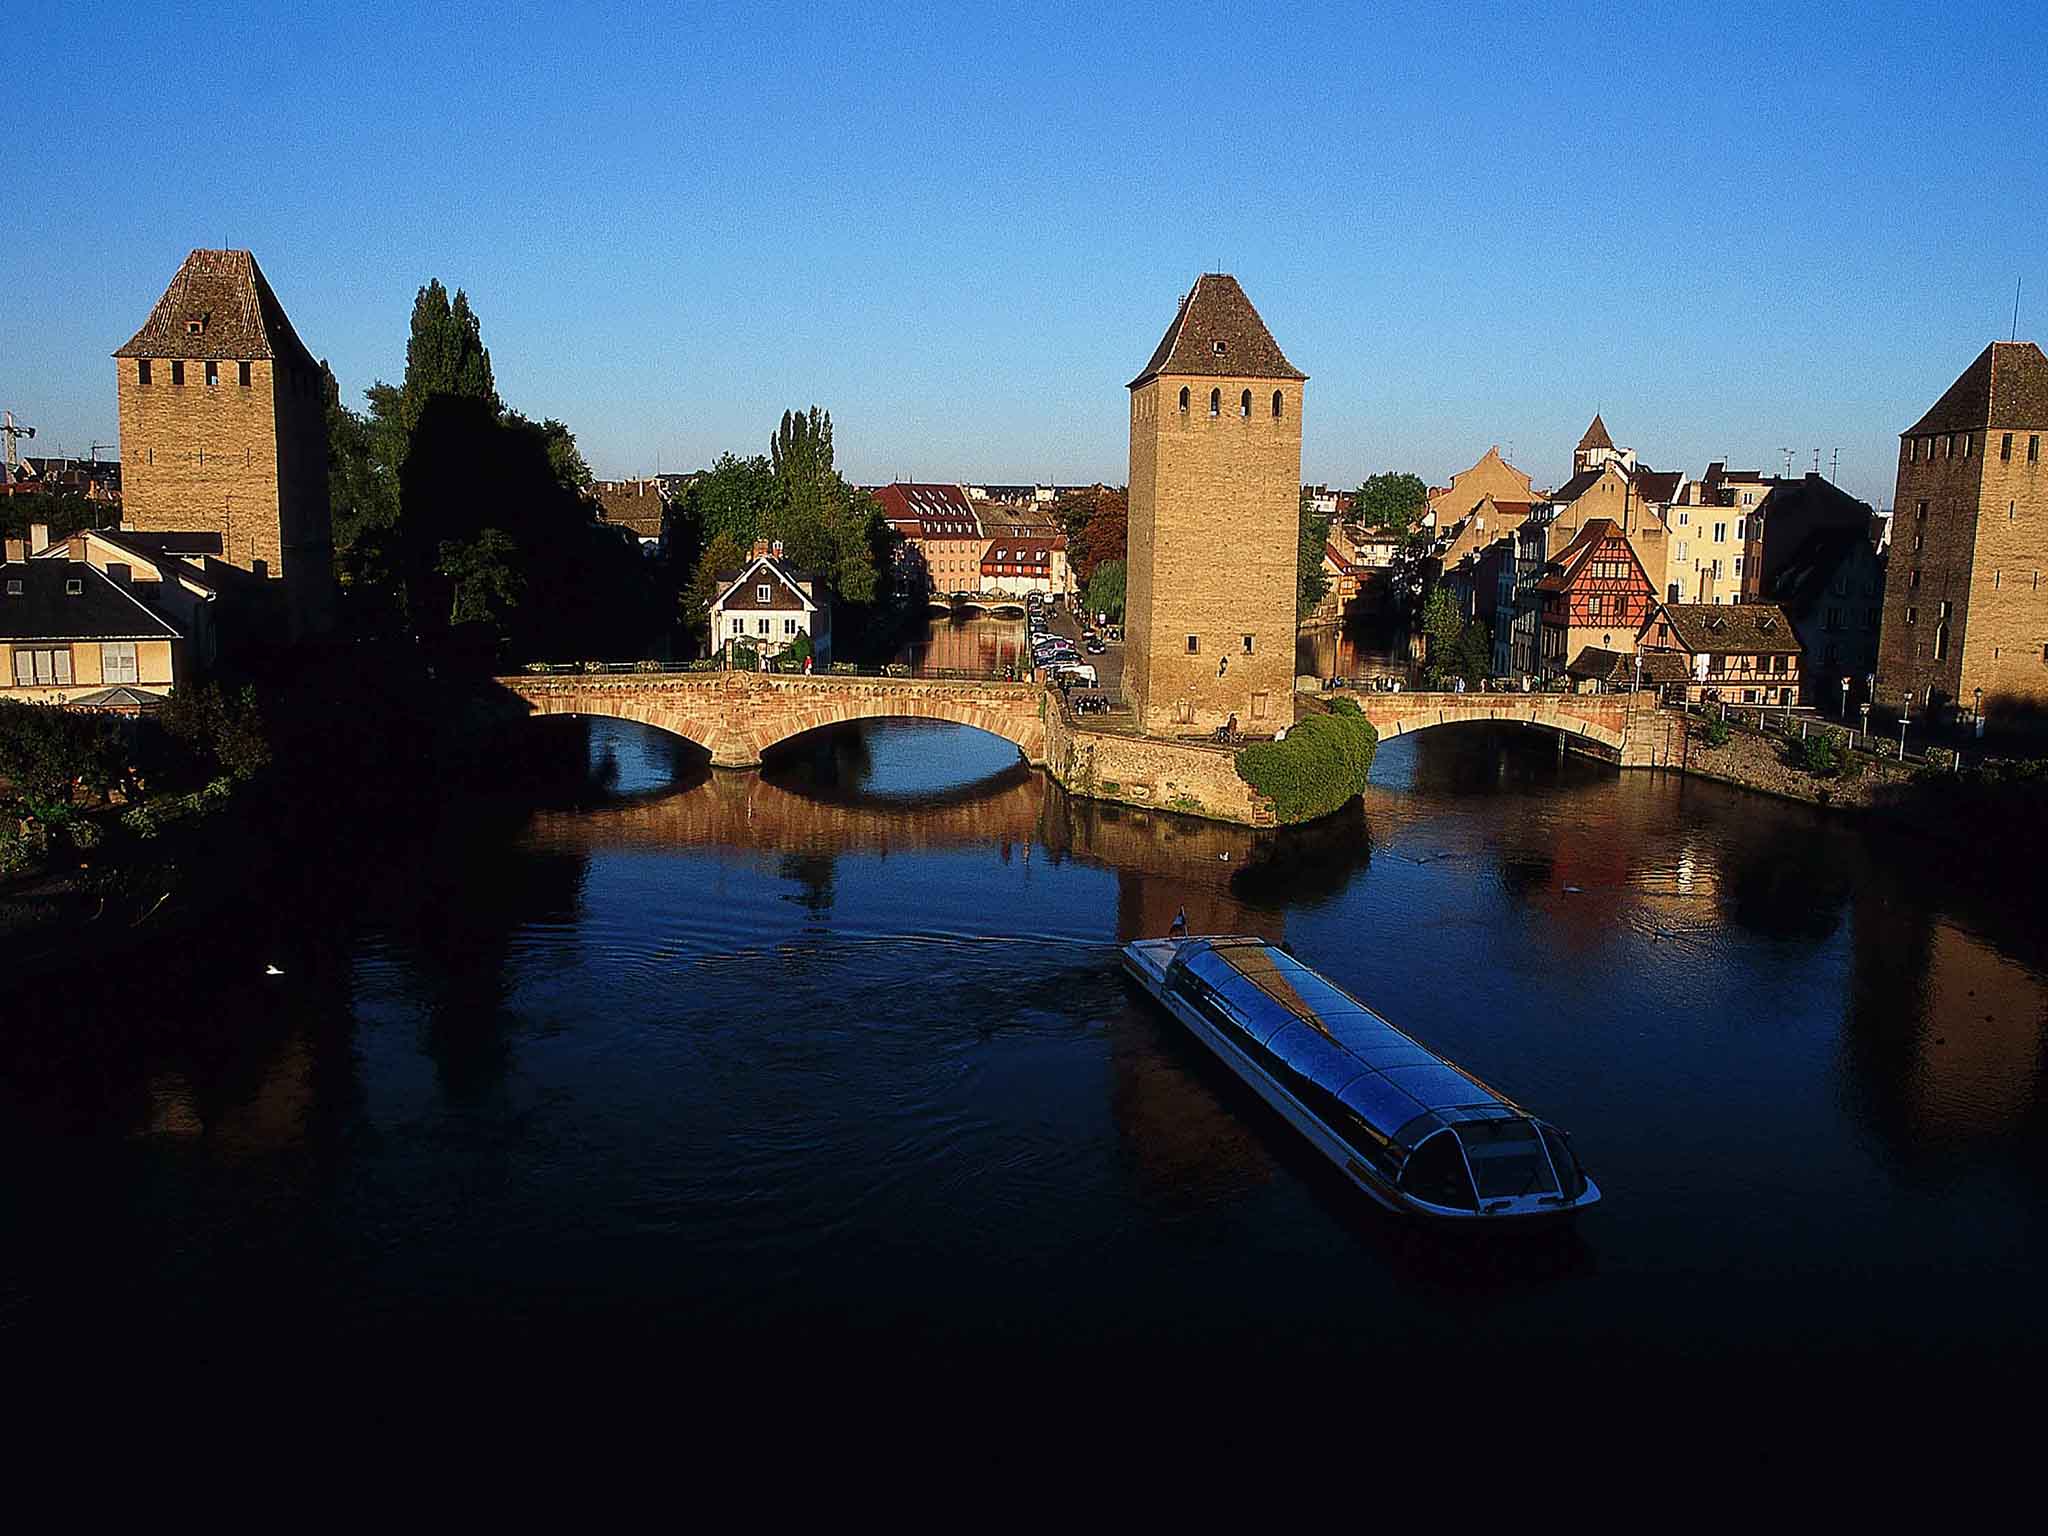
(77, 552)
(17, 551)
(760, 548)
(776, 549)
(38, 538)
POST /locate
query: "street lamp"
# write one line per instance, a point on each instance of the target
(1905, 713)
(1865, 706)
(1845, 698)
(1977, 714)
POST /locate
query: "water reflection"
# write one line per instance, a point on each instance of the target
(817, 1048)
(968, 642)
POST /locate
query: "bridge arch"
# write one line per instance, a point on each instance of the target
(738, 716)
(1598, 718)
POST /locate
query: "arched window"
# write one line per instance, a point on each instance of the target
(1183, 399)
(1215, 402)
(1244, 406)
(1277, 404)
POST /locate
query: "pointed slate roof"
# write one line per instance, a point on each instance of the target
(2006, 387)
(1217, 333)
(226, 294)
(1596, 435)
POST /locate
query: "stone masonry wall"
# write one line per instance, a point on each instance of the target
(1193, 779)
(2005, 641)
(1215, 508)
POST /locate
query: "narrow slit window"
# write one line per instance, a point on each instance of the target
(1215, 402)
(1183, 399)
(242, 372)
(177, 373)
(1194, 645)
(212, 375)
(1279, 405)
(1244, 405)
(142, 370)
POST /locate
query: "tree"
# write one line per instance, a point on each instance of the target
(1312, 582)
(445, 355)
(1105, 591)
(1389, 502)
(722, 558)
(362, 491)
(485, 577)
(1097, 521)
(1442, 625)
(62, 512)
(822, 522)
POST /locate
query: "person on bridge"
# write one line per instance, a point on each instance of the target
(807, 666)
(1179, 930)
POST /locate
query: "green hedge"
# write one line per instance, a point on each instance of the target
(1321, 765)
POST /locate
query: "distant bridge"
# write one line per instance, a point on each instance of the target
(738, 715)
(1629, 726)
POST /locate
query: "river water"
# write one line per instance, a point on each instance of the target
(836, 1057)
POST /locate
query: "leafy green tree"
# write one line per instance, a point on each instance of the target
(1312, 582)
(1474, 655)
(485, 579)
(63, 513)
(445, 355)
(821, 521)
(1442, 626)
(49, 755)
(1097, 522)
(220, 735)
(1105, 591)
(723, 556)
(1389, 502)
(362, 491)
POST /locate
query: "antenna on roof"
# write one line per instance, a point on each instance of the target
(1788, 461)
(2016, 309)
(1835, 466)
(1816, 461)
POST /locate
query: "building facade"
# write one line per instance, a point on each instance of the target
(224, 430)
(1215, 499)
(71, 633)
(767, 604)
(1965, 614)
(939, 522)
(1739, 653)
(1591, 591)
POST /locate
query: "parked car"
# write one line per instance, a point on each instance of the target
(1079, 671)
(1095, 646)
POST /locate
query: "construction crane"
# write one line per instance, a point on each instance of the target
(14, 435)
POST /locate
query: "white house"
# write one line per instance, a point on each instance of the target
(768, 603)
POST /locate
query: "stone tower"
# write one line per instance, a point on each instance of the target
(224, 430)
(1964, 604)
(1214, 521)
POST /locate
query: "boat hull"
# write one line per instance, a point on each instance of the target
(1145, 963)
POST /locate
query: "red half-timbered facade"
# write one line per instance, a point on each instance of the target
(1595, 592)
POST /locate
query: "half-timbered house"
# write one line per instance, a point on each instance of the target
(1593, 592)
(1740, 653)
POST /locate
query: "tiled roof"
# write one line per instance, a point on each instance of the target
(785, 589)
(929, 511)
(634, 504)
(1217, 333)
(120, 700)
(1654, 486)
(225, 293)
(1620, 666)
(1721, 628)
(1026, 551)
(1563, 567)
(1577, 486)
(2006, 387)
(1596, 435)
(45, 609)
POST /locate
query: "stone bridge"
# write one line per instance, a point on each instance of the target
(736, 716)
(1629, 729)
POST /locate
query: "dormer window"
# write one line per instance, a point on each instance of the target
(762, 592)
(1221, 347)
(14, 586)
(73, 587)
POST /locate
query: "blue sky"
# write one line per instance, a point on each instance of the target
(961, 230)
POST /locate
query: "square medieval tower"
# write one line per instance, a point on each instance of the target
(224, 430)
(1964, 605)
(1215, 521)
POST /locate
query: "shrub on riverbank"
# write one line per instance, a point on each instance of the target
(1321, 765)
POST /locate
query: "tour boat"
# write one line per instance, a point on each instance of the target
(1417, 1133)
